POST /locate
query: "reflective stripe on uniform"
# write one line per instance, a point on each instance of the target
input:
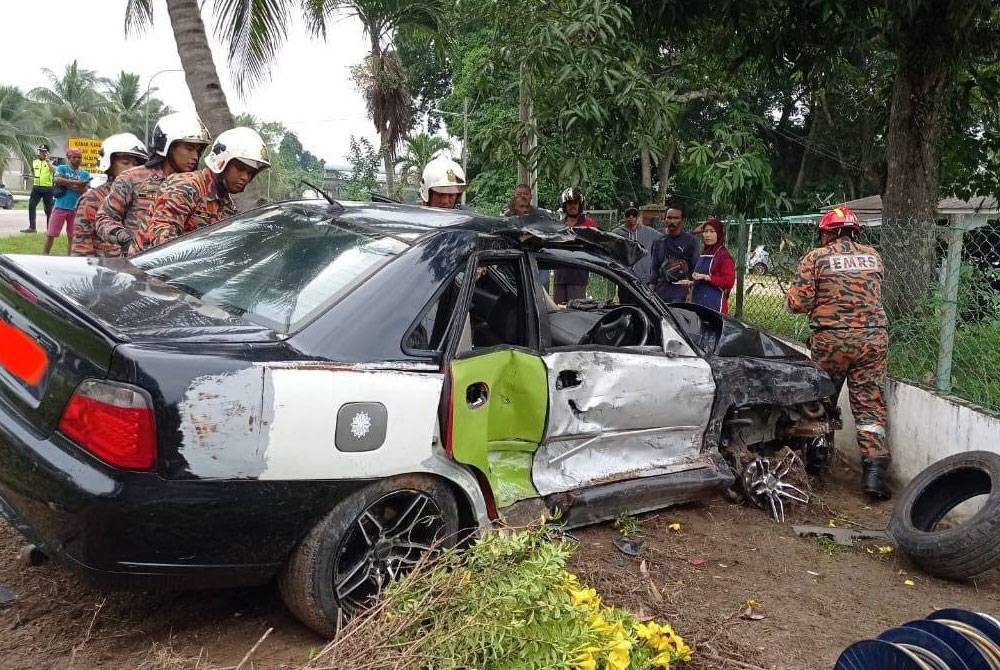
(872, 428)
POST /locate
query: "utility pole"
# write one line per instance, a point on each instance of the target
(149, 83)
(527, 173)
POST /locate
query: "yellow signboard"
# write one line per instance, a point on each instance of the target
(90, 148)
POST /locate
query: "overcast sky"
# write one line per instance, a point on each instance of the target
(310, 89)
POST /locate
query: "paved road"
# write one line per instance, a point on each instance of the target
(13, 220)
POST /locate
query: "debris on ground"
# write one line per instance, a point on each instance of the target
(842, 536)
(627, 545)
(7, 596)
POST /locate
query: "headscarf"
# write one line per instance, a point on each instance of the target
(720, 231)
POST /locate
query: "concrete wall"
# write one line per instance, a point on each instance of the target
(924, 427)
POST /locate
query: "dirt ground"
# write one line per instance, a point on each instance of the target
(816, 598)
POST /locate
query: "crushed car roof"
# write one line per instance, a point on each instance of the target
(413, 222)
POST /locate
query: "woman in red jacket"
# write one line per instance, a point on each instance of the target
(715, 273)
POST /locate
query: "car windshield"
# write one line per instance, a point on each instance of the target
(277, 266)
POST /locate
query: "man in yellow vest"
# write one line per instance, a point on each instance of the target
(41, 189)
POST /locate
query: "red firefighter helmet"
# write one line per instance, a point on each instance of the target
(840, 217)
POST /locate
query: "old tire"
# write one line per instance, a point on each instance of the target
(962, 551)
(349, 556)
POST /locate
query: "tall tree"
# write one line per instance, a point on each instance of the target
(382, 77)
(20, 133)
(196, 56)
(128, 105)
(71, 102)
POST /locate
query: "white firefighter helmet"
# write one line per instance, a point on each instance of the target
(243, 144)
(179, 127)
(122, 143)
(442, 175)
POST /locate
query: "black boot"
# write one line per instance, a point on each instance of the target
(873, 477)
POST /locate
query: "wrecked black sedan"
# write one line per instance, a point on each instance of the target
(320, 392)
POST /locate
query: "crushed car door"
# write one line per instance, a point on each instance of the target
(623, 412)
(499, 387)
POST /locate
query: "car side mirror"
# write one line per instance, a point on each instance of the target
(673, 343)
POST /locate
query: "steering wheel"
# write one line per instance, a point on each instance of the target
(624, 326)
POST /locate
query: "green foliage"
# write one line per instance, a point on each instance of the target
(418, 150)
(362, 180)
(71, 102)
(505, 602)
(128, 106)
(20, 131)
(627, 525)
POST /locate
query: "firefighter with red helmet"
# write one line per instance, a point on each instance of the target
(839, 285)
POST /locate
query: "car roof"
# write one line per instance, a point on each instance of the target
(411, 222)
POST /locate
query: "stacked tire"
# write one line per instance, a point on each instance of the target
(948, 639)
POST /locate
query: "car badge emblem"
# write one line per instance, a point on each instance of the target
(360, 425)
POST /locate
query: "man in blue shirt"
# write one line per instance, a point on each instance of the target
(73, 182)
(673, 259)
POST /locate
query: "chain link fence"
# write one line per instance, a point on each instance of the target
(941, 292)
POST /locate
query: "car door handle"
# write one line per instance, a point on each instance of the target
(476, 395)
(568, 379)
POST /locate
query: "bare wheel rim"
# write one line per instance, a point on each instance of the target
(383, 543)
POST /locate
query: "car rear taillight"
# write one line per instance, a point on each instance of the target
(114, 422)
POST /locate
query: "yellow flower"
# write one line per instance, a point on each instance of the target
(585, 597)
(885, 549)
(674, 527)
(831, 524)
(618, 654)
(662, 660)
(598, 623)
(585, 661)
(909, 582)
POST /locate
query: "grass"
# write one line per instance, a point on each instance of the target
(769, 312)
(20, 243)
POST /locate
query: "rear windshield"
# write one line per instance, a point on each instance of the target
(279, 267)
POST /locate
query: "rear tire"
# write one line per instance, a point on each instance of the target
(963, 551)
(369, 539)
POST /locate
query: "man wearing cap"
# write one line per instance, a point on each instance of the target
(74, 180)
(632, 229)
(41, 187)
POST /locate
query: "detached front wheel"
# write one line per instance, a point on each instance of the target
(367, 541)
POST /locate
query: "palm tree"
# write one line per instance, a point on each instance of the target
(255, 31)
(72, 103)
(127, 105)
(418, 150)
(19, 131)
(196, 56)
(382, 77)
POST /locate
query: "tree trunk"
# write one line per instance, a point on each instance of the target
(664, 166)
(199, 68)
(909, 204)
(647, 169)
(527, 162)
(814, 121)
(390, 175)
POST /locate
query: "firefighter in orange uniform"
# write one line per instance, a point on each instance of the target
(191, 200)
(839, 285)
